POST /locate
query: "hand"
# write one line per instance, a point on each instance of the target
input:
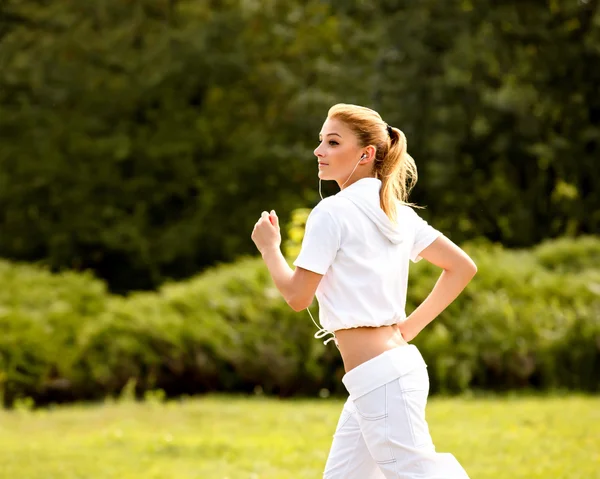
(407, 330)
(266, 234)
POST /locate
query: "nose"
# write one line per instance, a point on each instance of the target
(318, 152)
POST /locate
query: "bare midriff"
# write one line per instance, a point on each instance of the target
(358, 345)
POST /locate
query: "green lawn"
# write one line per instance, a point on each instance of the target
(219, 437)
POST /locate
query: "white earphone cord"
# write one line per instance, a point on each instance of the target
(348, 179)
(322, 332)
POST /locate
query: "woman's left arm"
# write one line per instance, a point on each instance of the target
(297, 286)
(458, 270)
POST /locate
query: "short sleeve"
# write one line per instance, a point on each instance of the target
(425, 234)
(321, 242)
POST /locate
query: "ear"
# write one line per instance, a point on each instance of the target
(368, 155)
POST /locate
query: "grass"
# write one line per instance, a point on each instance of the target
(219, 437)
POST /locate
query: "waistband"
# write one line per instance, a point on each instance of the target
(382, 369)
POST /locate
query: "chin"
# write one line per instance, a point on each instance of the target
(324, 176)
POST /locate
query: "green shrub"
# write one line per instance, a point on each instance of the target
(227, 329)
(41, 316)
(516, 325)
(519, 324)
(566, 254)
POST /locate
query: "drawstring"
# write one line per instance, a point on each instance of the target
(322, 332)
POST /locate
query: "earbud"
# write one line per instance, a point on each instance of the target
(363, 156)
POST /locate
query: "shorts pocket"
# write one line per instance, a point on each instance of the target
(373, 405)
(414, 390)
(373, 419)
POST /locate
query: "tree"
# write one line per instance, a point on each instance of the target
(143, 140)
(501, 110)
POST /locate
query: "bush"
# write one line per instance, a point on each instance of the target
(227, 329)
(568, 254)
(524, 322)
(41, 318)
(516, 325)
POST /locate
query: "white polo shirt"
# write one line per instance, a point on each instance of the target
(362, 255)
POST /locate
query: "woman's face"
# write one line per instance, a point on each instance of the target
(338, 151)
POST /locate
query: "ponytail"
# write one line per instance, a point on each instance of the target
(398, 174)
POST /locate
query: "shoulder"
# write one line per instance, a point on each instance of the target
(332, 214)
(406, 213)
(410, 216)
(334, 206)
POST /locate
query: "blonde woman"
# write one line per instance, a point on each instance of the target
(355, 257)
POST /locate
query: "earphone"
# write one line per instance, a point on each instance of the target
(364, 155)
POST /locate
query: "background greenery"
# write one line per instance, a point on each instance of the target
(531, 320)
(139, 142)
(142, 139)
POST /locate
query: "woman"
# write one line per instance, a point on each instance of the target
(355, 257)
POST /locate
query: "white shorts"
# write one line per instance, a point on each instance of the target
(382, 431)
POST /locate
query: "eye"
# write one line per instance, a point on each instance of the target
(333, 143)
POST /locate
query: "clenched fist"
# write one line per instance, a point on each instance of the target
(266, 233)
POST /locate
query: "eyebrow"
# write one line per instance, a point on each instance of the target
(329, 134)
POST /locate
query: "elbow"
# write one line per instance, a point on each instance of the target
(471, 268)
(295, 306)
(298, 304)
(466, 268)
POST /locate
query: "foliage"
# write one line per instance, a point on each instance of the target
(519, 324)
(142, 139)
(42, 316)
(507, 147)
(567, 255)
(130, 126)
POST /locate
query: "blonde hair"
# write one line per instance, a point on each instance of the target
(392, 165)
